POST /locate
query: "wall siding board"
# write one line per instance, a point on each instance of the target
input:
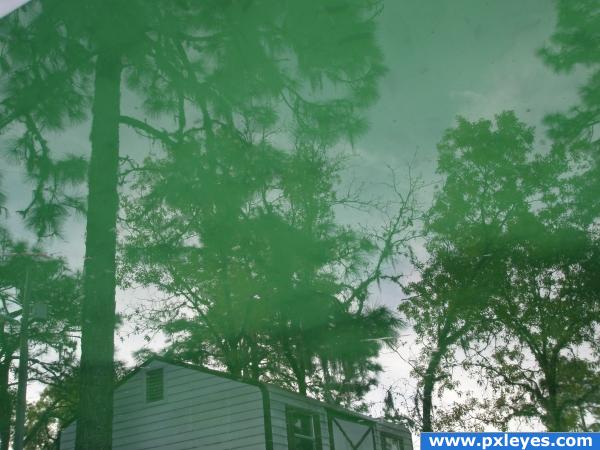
(190, 401)
(211, 429)
(216, 439)
(239, 413)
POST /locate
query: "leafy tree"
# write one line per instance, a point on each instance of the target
(541, 356)
(540, 323)
(553, 269)
(200, 64)
(574, 135)
(52, 412)
(51, 340)
(489, 175)
(256, 272)
(509, 281)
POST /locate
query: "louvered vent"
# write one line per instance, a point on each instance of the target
(155, 388)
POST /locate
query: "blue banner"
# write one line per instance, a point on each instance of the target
(509, 441)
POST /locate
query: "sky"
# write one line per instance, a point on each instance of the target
(445, 58)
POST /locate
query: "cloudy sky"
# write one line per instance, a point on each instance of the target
(445, 58)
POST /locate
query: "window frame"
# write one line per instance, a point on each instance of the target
(317, 439)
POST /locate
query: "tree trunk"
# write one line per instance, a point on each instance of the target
(428, 385)
(548, 362)
(254, 360)
(5, 404)
(94, 419)
(554, 422)
(296, 366)
(553, 419)
(326, 380)
(300, 371)
(301, 380)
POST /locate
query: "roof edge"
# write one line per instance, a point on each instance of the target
(8, 6)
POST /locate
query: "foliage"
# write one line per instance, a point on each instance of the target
(489, 174)
(574, 133)
(52, 339)
(257, 275)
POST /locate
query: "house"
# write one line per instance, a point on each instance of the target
(168, 405)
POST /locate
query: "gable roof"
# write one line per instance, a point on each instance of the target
(8, 6)
(185, 365)
(271, 387)
(265, 389)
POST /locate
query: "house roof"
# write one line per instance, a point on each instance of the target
(263, 386)
(8, 6)
(271, 387)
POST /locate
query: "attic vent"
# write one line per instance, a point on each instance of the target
(154, 385)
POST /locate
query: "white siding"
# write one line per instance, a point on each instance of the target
(199, 410)
(279, 399)
(67, 437)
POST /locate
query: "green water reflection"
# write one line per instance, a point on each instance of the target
(296, 186)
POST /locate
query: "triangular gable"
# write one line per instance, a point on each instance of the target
(351, 434)
(8, 6)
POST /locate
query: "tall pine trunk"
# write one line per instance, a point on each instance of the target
(5, 403)
(95, 412)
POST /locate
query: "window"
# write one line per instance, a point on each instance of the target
(304, 432)
(391, 442)
(154, 385)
